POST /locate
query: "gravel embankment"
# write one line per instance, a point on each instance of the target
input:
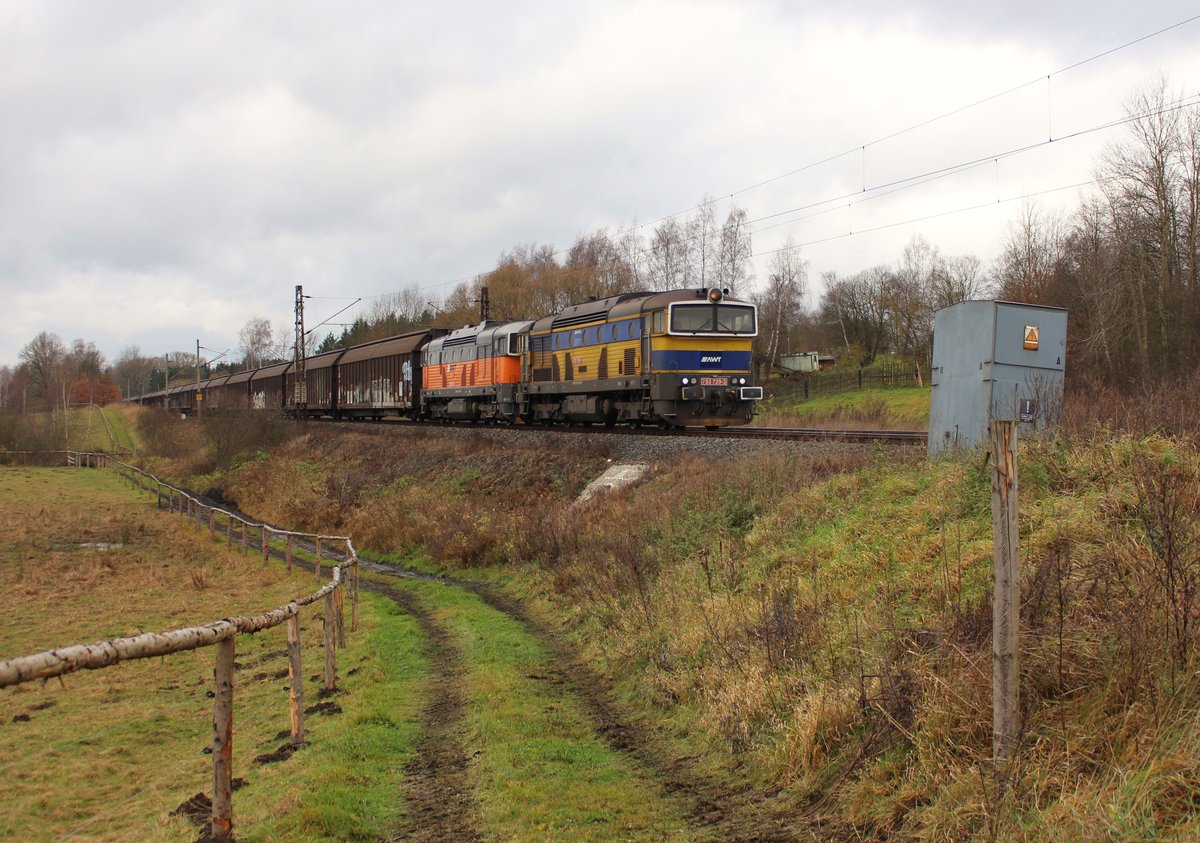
(622, 446)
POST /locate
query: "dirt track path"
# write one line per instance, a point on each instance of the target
(440, 805)
(716, 811)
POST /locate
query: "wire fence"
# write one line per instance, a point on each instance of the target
(220, 634)
(885, 375)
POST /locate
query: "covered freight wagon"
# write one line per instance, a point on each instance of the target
(382, 378)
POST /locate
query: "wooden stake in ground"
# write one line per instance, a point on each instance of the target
(341, 617)
(1006, 595)
(295, 680)
(330, 658)
(354, 596)
(222, 798)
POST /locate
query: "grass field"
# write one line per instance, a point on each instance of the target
(898, 408)
(109, 754)
(542, 771)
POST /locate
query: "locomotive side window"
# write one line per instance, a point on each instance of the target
(659, 321)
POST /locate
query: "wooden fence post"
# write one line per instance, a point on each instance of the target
(354, 596)
(1006, 594)
(222, 798)
(266, 546)
(245, 541)
(289, 552)
(330, 656)
(341, 617)
(318, 566)
(295, 679)
(228, 530)
(212, 519)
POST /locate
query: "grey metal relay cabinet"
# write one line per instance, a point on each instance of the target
(994, 360)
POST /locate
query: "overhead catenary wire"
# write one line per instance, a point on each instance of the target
(859, 148)
(908, 182)
(937, 215)
(888, 188)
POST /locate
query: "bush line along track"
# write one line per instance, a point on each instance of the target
(782, 434)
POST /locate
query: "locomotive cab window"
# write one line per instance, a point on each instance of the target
(659, 321)
(729, 319)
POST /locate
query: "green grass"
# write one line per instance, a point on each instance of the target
(347, 784)
(905, 407)
(540, 770)
(108, 754)
(120, 423)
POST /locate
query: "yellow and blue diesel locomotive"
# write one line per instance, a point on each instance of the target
(678, 358)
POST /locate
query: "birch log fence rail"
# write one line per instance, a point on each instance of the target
(221, 634)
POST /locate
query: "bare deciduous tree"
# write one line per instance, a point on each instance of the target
(734, 264)
(781, 303)
(254, 340)
(1033, 247)
(668, 256)
(702, 242)
(44, 357)
(856, 309)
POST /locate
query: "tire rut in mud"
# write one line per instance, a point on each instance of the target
(732, 814)
(441, 808)
(440, 805)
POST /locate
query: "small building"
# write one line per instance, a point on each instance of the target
(994, 360)
(808, 361)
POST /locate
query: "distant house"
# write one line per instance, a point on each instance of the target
(808, 361)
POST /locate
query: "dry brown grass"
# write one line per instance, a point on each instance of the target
(821, 623)
(831, 632)
(108, 754)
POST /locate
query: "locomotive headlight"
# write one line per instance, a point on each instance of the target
(685, 381)
(742, 381)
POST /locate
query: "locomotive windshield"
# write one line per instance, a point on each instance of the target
(736, 319)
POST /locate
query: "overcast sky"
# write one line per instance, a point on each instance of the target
(170, 170)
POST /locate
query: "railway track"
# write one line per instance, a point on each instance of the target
(786, 434)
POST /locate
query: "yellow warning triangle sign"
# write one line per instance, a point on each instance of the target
(1031, 337)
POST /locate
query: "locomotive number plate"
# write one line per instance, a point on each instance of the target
(714, 381)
